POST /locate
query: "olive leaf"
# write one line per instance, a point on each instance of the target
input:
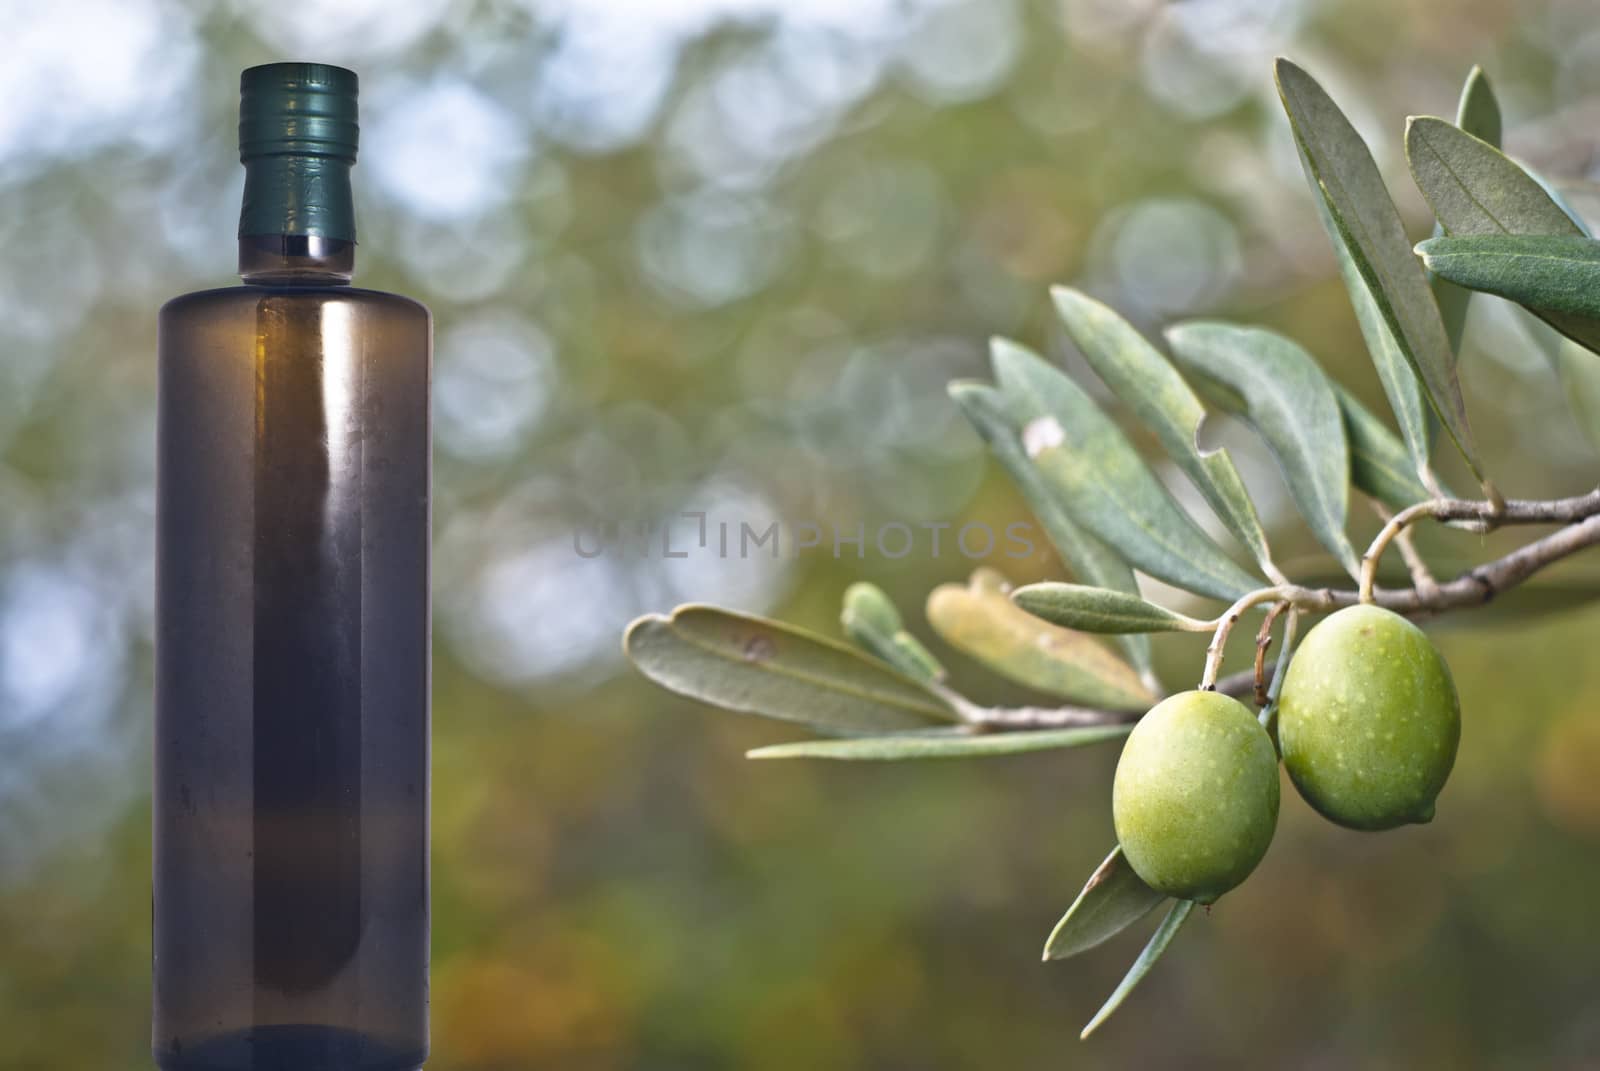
(1347, 179)
(1478, 113)
(756, 666)
(1089, 559)
(1281, 391)
(980, 620)
(1113, 899)
(1146, 383)
(1104, 484)
(872, 622)
(1087, 609)
(1475, 189)
(942, 744)
(1379, 464)
(1400, 383)
(1141, 966)
(1554, 276)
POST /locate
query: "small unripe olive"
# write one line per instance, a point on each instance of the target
(1195, 798)
(1368, 720)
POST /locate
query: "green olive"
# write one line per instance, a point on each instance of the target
(1368, 720)
(1195, 799)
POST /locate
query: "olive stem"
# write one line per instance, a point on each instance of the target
(1263, 641)
(1496, 501)
(1422, 577)
(1395, 525)
(1490, 513)
(1012, 719)
(1225, 623)
(1474, 587)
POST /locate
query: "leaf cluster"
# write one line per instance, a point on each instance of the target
(1502, 230)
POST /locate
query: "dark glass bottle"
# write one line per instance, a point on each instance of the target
(291, 743)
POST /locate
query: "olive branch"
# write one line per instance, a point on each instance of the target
(1474, 587)
(884, 696)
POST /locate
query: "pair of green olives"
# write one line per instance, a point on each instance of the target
(1368, 721)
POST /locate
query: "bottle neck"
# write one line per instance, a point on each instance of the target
(296, 259)
(297, 220)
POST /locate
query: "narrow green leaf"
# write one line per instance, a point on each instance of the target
(1347, 178)
(1556, 277)
(757, 666)
(1089, 609)
(872, 611)
(980, 620)
(872, 622)
(1146, 383)
(1114, 899)
(1478, 113)
(1453, 304)
(1281, 391)
(1475, 189)
(1400, 383)
(1141, 966)
(1102, 482)
(1090, 560)
(945, 744)
(1379, 463)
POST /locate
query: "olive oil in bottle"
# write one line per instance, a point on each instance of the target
(292, 694)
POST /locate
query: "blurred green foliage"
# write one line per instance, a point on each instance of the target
(724, 256)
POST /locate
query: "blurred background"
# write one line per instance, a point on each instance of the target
(722, 256)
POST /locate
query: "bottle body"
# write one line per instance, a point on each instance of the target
(292, 695)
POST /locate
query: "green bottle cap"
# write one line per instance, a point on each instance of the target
(301, 108)
(297, 140)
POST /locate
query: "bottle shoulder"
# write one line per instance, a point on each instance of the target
(249, 295)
